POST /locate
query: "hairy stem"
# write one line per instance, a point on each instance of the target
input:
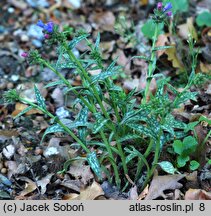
(66, 82)
(57, 121)
(152, 65)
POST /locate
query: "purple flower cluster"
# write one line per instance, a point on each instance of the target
(47, 27)
(166, 9)
(24, 54)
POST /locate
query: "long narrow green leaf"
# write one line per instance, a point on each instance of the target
(170, 120)
(23, 112)
(186, 96)
(53, 129)
(97, 42)
(135, 116)
(103, 75)
(99, 125)
(112, 65)
(39, 97)
(58, 82)
(136, 153)
(128, 137)
(66, 65)
(94, 164)
(141, 57)
(153, 123)
(142, 130)
(68, 163)
(82, 117)
(162, 48)
(168, 128)
(74, 88)
(95, 143)
(76, 40)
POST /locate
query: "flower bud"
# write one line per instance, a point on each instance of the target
(167, 7)
(24, 54)
(169, 13)
(46, 36)
(159, 5)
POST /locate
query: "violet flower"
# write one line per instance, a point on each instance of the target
(24, 54)
(159, 5)
(46, 36)
(169, 13)
(167, 7)
(40, 24)
(47, 27)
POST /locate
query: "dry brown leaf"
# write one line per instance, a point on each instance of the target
(19, 107)
(103, 20)
(101, 198)
(192, 180)
(143, 193)
(30, 186)
(133, 194)
(122, 60)
(107, 46)
(72, 184)
(130, 84)
(8, 134)
(12, 168)
(143, 2)
(187, 28)
(44, 182)
(161, 41)
(172, 56)
(197, 194)
(205, 68)
(89, 193)
(27, 91)
(58, 97)
(192, 176)
(81, 171)
(161, 183)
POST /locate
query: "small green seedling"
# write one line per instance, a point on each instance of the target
(184, 149)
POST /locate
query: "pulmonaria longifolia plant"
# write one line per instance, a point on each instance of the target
(119, 136)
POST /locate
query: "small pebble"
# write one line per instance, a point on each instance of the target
(11, 10)
(37, 43)
(38, 3)
(3, 170)
(35, 31)
(24, 38)
(38, 151)
(10, 85)
(2, 29)
(76, 52)
(62, 113)
(2, 37)
(1, 165)
(3, 85)
(15, 78)
(6, 164)
(75, 3)
(9, 151)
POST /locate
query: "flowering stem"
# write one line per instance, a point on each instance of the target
(152, 65)
(57, 121)
(74, 59)
(66, 82)
(155, 161)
